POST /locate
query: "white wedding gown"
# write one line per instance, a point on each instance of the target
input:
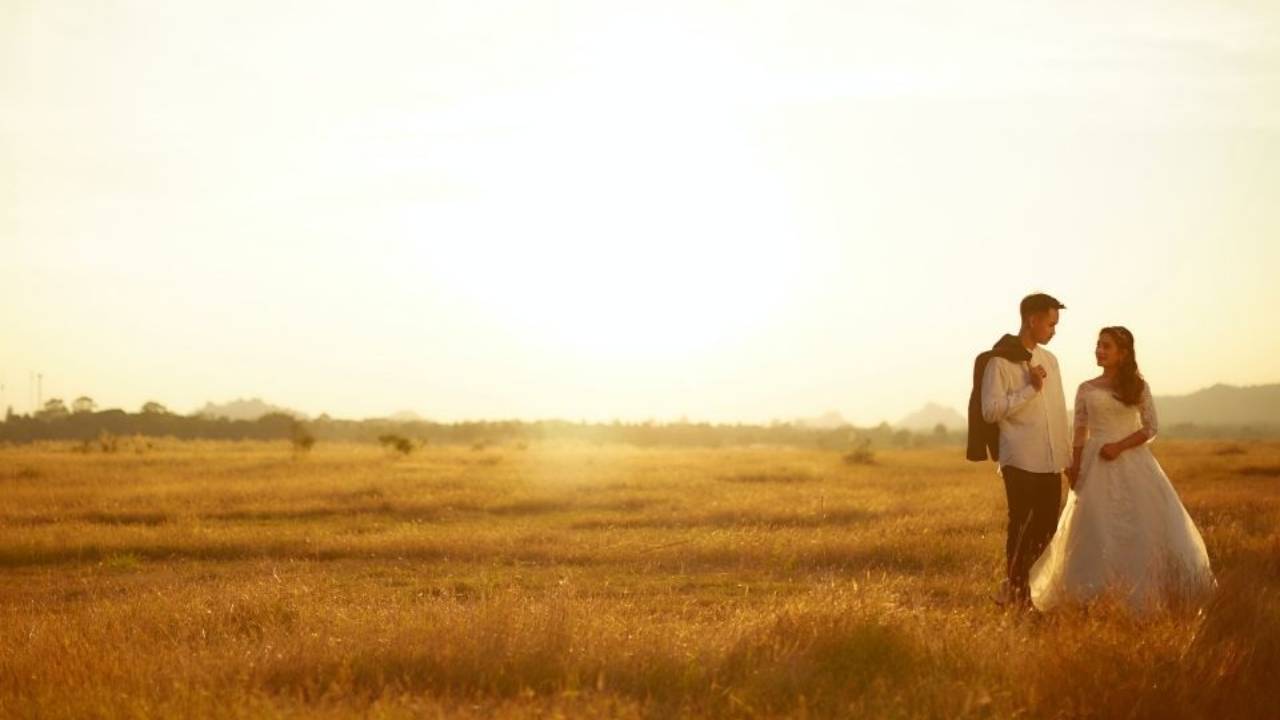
(1123, 530)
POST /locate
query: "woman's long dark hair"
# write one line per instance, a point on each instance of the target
(1129, 380)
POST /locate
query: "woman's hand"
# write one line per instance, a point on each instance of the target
(1111, 451)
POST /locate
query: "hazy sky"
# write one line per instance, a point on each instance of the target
(723, 210)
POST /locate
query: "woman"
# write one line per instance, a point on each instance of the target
(1123, 531)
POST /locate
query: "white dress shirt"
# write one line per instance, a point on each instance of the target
(1033, 425)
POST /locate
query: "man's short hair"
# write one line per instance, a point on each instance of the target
(1038, 303)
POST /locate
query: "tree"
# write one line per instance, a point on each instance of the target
(860, 452)
(54, 409)
(396, 443)
(151, 407)
(83, 404)
(302, 439)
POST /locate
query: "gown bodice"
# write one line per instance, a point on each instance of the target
(1101, 417)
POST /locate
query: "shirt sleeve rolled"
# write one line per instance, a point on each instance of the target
(998, 400)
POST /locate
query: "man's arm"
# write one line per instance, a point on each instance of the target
(998, 401)
(1057, 378)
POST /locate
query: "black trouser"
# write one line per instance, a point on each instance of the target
(1033, 516)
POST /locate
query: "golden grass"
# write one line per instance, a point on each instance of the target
(228, 579)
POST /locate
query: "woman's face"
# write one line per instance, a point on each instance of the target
(1109, 354)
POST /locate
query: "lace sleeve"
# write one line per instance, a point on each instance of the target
(1147, 407)
(1081, 423)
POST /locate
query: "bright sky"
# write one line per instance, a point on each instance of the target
(719, 210)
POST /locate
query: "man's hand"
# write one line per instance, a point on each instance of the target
(1038, 374)
(1110, 451)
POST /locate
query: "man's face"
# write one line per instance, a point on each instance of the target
(1044, 326)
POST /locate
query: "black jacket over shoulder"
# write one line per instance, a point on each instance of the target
(984, 437)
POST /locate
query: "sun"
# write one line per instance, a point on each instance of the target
(626, 215)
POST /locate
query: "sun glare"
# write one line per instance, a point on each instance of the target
(630, 216)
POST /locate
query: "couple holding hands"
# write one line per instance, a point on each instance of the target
(1122, 531)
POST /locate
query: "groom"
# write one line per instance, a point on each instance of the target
(1018, 415)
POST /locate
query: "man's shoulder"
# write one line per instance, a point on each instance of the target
(1003, 362)
(999, 371)
(1048, 354)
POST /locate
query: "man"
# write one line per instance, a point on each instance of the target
(1021, 396)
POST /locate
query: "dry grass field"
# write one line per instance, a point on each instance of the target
(232, 580)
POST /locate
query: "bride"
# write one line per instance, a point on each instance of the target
(1123, 531)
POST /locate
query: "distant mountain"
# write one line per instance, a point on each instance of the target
(1220, 405)
(1223, 405)
(405, 416)
(829, 420)
(929, 416)
(241, 409)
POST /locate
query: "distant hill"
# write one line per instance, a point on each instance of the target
(241, 409)
(1217, 406)
(1223, 405)
(929, 416)
(405, 416)
(829, 420)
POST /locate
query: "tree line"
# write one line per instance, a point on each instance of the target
(83, 421)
